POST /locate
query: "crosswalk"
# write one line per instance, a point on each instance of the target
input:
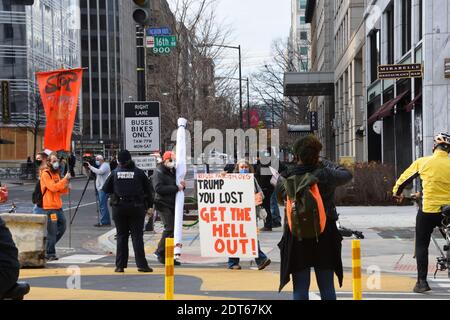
(441, 283)
(78, 259)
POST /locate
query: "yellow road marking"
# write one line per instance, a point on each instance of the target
(215, 279)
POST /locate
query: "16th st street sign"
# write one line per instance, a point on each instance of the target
(161, 44)
(142, 126)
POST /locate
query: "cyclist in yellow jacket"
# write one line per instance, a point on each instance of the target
(434, 172)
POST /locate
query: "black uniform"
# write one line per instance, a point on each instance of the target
(164, 183)
(9, 262)
(128, 186)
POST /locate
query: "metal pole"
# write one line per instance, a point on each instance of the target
(248, 103)
(240, 88)
(273, 113)
(395, 143)
(169, 269)
(140, 34)
(356, 270)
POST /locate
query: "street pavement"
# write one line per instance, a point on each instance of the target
(387, 259)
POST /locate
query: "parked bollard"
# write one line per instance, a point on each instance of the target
(356, 268)
(170, 272)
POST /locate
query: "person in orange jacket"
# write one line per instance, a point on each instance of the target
(52, 187)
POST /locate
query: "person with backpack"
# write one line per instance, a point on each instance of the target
(311, 238)
(41, 164)
(52, 187)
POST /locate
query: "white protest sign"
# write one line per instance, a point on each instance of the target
(142, 126)
(227, 214)
(145, 162)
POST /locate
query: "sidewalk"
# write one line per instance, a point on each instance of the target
(388, 243)
(10, 183)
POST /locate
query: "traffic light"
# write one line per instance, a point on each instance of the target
(23, 2)
(141, 12)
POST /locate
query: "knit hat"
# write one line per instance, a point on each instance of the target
(124, 156)
(168, 155)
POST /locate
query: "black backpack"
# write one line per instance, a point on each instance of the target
(37, 196)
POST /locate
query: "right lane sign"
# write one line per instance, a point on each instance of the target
(142, 126)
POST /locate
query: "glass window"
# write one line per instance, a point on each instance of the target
(302, 4)
(374, 54)
(8, 31)
(390, 35)
(420, 19)
(406, 26)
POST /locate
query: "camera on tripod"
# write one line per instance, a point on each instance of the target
(89, 158)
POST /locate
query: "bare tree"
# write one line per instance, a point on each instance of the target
(185, 79)
(268, 83)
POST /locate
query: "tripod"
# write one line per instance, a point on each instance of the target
(81, 199)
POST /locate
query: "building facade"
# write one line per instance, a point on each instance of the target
(320, 14)
(405, 114)
(108, 35)
(41, 37)
(300, 36)
(349, 79)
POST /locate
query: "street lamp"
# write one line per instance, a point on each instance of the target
(240, 75)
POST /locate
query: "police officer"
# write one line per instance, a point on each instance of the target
(127, 186)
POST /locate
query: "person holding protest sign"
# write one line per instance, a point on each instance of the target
(243, 166)
(303, 245)
(165, 186)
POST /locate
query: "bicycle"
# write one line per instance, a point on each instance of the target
(443, 261)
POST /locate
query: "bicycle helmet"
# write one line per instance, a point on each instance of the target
(442, 138)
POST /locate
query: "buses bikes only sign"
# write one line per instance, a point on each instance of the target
(142, 126)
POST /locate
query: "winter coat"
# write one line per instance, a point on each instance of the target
(52, 187)
(8, 250)
(165, 186)
(324, 254)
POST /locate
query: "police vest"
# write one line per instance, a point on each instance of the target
(128, 186)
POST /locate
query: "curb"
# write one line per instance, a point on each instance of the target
(105, 244)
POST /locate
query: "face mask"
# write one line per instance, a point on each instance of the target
(55, 165)
(170, 165)
(244, 171)
(97, 163)
(38, 163)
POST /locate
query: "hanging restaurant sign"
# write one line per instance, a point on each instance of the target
(400, 71)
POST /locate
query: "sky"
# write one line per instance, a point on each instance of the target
(255, 24)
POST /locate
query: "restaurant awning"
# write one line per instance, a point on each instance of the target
(386, 109)
(412, 104)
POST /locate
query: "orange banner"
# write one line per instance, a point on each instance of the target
(59, 92)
